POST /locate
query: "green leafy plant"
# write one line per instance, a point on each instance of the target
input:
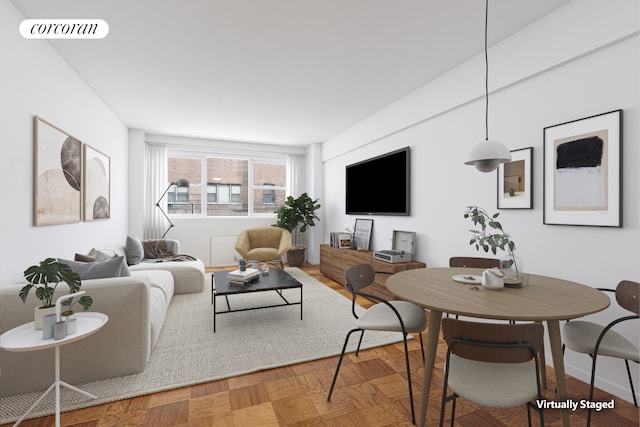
(45, 278)
(297, 215)
(85, 301)
(485, 238)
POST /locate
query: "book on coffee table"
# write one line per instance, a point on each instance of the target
(238, 276)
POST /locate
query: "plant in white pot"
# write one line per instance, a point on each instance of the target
(45, 278)
(296, 216)
(510, 264)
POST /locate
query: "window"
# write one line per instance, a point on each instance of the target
(224, 184)
(183, 196)
(269, 186)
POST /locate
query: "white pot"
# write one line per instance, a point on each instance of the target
(41, 311)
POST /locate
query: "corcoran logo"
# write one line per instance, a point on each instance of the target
(64, 29)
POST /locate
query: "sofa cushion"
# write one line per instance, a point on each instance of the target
(160, 279)
(134, 249)
(188, 276)
(111, 267)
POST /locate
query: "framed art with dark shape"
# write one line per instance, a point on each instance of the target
(57, 175)
(583, 171)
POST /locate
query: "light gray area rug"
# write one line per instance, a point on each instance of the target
(188, 352)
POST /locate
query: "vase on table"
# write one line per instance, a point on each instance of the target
(41, 311)
(512, 267)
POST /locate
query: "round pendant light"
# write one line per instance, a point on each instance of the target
(487, 155)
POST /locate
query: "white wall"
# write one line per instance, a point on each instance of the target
(557, 70)
(37, 81)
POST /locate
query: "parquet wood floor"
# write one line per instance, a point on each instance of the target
(371, 391)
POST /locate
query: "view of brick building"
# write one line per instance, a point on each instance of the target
(227, 190)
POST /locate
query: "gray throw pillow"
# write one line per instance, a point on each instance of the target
(134, 250)
(95, 270)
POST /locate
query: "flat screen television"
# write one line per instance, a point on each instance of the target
(379, 185)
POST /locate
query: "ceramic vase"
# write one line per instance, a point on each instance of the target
(41, 311)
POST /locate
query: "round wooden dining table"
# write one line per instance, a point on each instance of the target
(542, 299)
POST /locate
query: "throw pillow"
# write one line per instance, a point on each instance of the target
(134, 250)
(95, 270)
(84, 258)
(101, 255)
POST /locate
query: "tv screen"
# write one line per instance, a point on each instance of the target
(380, 185)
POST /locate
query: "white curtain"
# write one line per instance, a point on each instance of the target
(156, 181)
(296, 181)
(296, 178)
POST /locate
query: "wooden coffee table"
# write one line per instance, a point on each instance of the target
(276, 280)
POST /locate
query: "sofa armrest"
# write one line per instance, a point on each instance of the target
(120, 348)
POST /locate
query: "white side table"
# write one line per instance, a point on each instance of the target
(27, 338)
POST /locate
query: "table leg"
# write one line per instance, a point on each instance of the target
(435, 317)
(543, 365)
(558, 365)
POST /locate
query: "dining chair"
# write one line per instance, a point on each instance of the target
(495, 365)
(386, 316)
(600, 340)
(473, 262)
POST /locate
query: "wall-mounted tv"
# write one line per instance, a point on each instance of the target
(379, 185)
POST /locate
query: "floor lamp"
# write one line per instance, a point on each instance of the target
(162, 210)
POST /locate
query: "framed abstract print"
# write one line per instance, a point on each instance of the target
(57, 175)
(97, 184)
(583, 171)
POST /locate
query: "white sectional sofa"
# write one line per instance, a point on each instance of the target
(136, 306)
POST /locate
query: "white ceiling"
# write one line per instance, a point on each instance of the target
(275, 71)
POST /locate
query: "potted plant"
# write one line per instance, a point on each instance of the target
(45, 278)
(296, 216)
(484, 238)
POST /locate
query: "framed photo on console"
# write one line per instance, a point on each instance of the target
(583, 171)
(362, 233)
(515, 183)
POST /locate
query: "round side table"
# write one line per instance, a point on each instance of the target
(27, 338)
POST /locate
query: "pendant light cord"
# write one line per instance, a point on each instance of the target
(486, 72)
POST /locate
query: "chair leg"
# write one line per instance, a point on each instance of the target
(591, 386)
(406, 357)
(359, 342)
(422, 349)
(335, 376)
(633, 392)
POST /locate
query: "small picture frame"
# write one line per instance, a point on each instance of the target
(362, 234)
(344, 241)
(583, 171)
(515, 181)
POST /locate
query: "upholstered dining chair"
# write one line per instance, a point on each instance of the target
(600, 340)
(267, 244)
(388, 316)
(473, 262)
(495, 365)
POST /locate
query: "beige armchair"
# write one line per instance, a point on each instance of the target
(263, 244)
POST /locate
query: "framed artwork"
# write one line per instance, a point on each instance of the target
(515, 183)
(583, 171)
(362, 233)
(97, 184)
(57, 175)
